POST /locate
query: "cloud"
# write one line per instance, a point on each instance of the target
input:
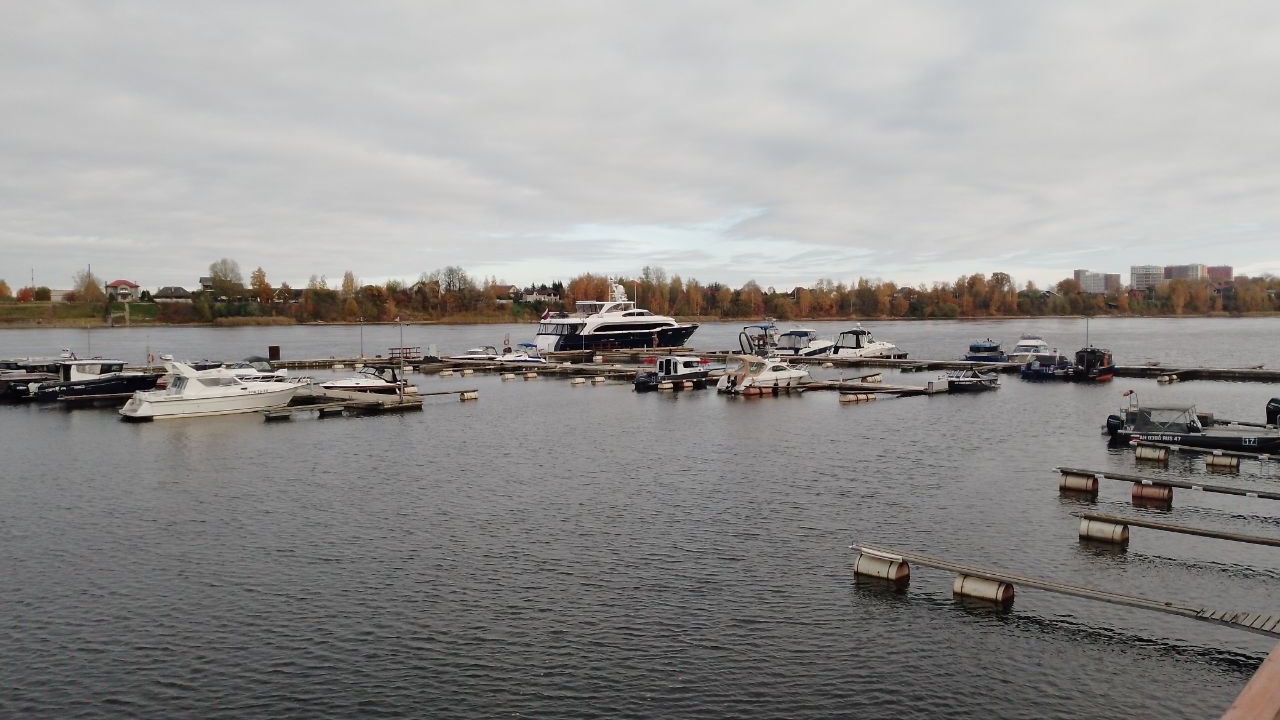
(723, 141)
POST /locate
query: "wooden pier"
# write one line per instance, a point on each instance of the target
(1158, 482)
(325, 403)
(1252, 622)
(1182, 529)
(1208, 451)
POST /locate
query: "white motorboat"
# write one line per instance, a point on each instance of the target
(611, 324)
(858, 343)
(759, 339)
(1029, 347)
(801, 342)
(197, 393)
(257, 369)
(522, 353)
(754, 375)
(383, 379)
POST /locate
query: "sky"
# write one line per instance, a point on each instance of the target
(785, 143)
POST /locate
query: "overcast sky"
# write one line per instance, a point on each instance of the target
(722, 141)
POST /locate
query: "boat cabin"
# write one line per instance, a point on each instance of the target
(76, 370)
(855, 339)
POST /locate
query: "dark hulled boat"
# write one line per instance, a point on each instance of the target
(1182, 425)
(613, 324)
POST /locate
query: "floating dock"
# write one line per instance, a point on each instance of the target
(1070, 474)
(879, 556)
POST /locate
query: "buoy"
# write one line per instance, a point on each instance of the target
(666, 385)
(508, 376)
(467, 371)
(469, 395)
(982, 588)
(1078, 483)
(530, 375)
(1152, 452)
(1104, 531)
(885, 567)
(1153, 494)
(1222, 461)
(578, 381)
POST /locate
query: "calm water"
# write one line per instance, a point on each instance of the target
(555, 551)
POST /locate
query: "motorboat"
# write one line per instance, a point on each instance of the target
(1093, 364)
(199, 393)
(1182, 425)
(1047, 366)
(384, 379)
(970, 380)
(93, 380)
(754, 375)
(682, 371)
(19, 376)
(1027, 348)
(759, 339)
(610, 324)
(986, 351)
(801, 342)
(257, 369)
(522, 353)
(859, 343)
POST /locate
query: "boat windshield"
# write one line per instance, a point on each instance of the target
(1157, 419)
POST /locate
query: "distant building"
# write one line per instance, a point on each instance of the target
(124, 290)
(1221, 273)
(206, 284)
(1097, 283)
(1186, 272)
(1145, 277)
(172, 294)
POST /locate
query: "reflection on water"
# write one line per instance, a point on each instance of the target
(562, 551)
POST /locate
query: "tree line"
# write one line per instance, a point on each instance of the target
(451, 294)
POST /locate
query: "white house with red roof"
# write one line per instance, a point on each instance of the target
(124, 290)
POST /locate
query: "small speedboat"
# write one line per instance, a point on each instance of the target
(986, 351)
(1049, 366)
(1182, 425)
(801, 342)
(384, 379)
(1028, 348)
(257, 369)
(760, 338)
(678, 370)
(484, 352)
(858, 343)
(970, 380)
(754, 375)
(198, 393)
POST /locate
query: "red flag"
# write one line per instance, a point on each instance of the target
(545, 314)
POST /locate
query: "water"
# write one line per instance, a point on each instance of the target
(574, 552)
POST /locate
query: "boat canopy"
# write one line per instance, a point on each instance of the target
(1164, 419)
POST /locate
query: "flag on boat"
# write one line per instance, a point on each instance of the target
(545, 314)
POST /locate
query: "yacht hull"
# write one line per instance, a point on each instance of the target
(156, 405)
(675, 336)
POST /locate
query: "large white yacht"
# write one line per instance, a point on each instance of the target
(196, 393)
(1028, 348)
(610, 324)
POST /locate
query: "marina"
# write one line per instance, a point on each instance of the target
(561, 522)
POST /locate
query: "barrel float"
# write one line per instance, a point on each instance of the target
(881, 566)
(1151, 494)
(828, 365)
(1117, 534)
(1166, 379)
(467, 371)
(878, 377)
(446, 373)
(508, 376)
(578, 381)
(597, 380)
(687, 385)
(469, 395)
(337, 366)
(982, 589)
(357, 366)
(1220, 461)
(1153, 453)
(597, 359)
(530, 375)
(1078, 483)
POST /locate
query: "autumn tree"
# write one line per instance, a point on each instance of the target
(349, 285)
(5, 292)
(225, 276)
(258, 284)
(87, 287)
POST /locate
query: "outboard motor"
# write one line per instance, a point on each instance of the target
(1114, 423)
(1273, 411)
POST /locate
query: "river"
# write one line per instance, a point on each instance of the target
(559, 551)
